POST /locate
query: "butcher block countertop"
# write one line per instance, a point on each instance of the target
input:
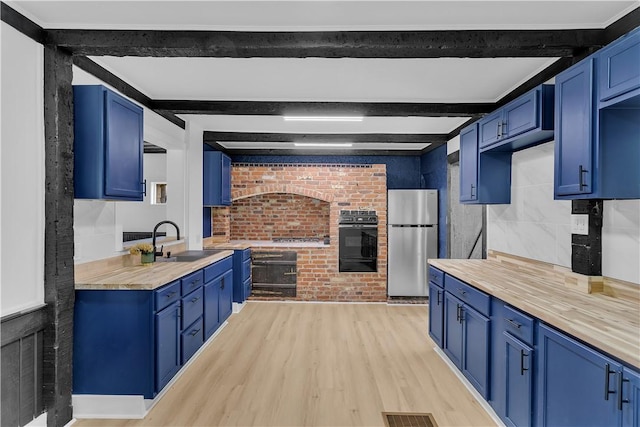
(142, 277)
(608, 320)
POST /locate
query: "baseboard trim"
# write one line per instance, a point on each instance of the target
(238, 306)
(483, 403)
(99, 406)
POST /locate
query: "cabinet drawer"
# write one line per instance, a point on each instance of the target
(191, 282)
(470, 295)
(192, 338)
(247, 288)
(217, 268)
(518, 324)
(167, 295)
(192, 307)
(246, 269)
(436, 276)
(246, 254)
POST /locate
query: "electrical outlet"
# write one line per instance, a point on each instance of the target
(580, 224)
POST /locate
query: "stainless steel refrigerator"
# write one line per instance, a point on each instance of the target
(412, 219)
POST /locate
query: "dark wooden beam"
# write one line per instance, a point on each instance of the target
(622, 26)
(259, 137)
(22, 23)
(281, 108)
(59, 292)
(338, 44)
(123, 87)
(323, 152)
(431, 147)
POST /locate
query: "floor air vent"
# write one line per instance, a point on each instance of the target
(408, 419)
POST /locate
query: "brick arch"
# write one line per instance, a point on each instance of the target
(281, 188)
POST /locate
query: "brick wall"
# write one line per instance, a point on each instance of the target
(220, 223)
(266, 216)
(361, 187)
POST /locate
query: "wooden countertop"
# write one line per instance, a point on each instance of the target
(142, 277)
(609, 323)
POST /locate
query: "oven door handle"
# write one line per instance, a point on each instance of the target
(357, 226)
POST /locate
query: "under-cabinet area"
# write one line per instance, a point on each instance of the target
(538, 349)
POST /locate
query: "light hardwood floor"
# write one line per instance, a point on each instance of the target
(315, 364)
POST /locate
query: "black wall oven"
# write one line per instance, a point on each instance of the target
(358, 241)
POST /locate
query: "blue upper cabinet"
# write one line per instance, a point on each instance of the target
(108, 145)
(522, 123)
(598, 124)
(619, 68)
(216, 175)
(484, 177)
(574, 109)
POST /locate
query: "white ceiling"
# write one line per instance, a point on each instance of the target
(319, 79)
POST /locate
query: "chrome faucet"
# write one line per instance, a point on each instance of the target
(156, 253)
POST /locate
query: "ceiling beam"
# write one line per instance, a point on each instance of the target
(323, 152)
(281, 108)
(356, 138)
(329, 44)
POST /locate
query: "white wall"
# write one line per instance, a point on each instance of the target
(536, 226)
(22, 173)
(143, 216)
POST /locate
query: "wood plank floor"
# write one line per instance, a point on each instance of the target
(314, 364)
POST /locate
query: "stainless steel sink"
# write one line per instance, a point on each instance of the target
(189, 256)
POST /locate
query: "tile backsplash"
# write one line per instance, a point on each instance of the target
(536, 226)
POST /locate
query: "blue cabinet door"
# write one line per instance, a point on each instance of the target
(216, 179)
(521, 115)
(124, 148)
(469, 164)
(211, 307)
(225, 180)
(475, 347)
(573, 130)
(167, 324)
(619, 67)
(108, 145)
(453, 329)
(576, 384)
(519, 385)
(226, 296)
(436, 313)
(490, 128)
(629, 401)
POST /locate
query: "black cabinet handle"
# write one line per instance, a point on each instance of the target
(438, 298)
(514, 324)
(195, 299)
(170, 294)
(522, 356)
(472, 188)
(500, 129)
(461, 316)
(581, 171)
(621, 382)
(607, 373)
(457, 312)
(221, 285)
(194, 332)
(144, 187)
(462, 291)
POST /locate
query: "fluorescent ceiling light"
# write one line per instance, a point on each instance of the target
(320, 144)
(323, 118)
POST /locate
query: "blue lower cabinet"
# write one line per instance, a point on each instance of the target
(192, 339)
(168, 359)
(192, 307)
(475, 349)
(436, 314)
(629, 402)
(453, 329)
(211, 304)
(466, 341)
(518, 393)
(241, 275)
(576, 384)
(225, 303)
